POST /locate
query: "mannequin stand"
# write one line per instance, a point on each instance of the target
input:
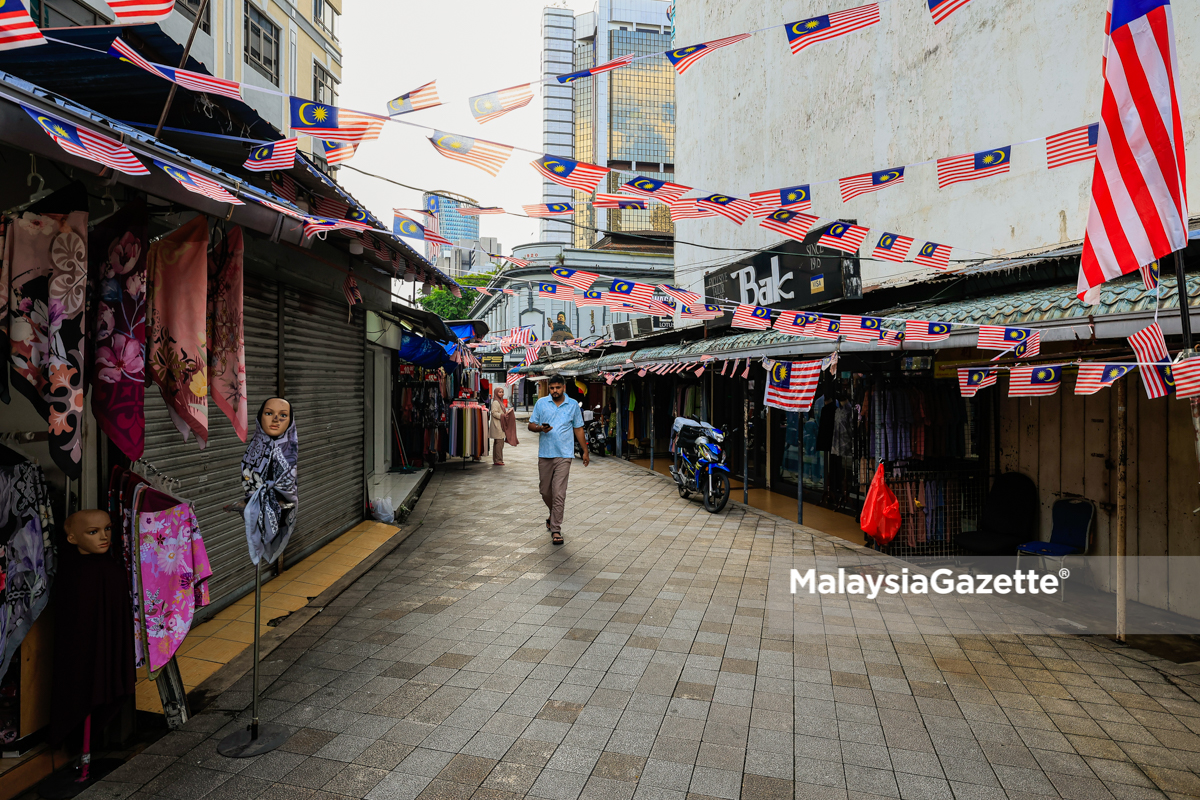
(257, 738)
(73, 781)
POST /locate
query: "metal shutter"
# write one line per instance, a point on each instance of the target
(323, 376)
(211, 478)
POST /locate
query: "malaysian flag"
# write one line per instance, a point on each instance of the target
(795, 198)
(487, 107)
(330, 208)
(793, 224)
(522, 336)
(1150, 274)
(892, 247)
(197, 183)
(618, 201)
(317, 226)
(403, 226)
(516, 262)
(277, 155)
(289, 212)
(796, 323)
(337, 152)
(683, 58)
(1187, 377)
(352, 294)
(826, 328)
(592, 297)
(576, 278)
(889, 338)
(573, 174)
(860, 329)
(843, 236)
(531, 352)
(136, 12)
(17, 28)
(756, 318)
(1028, 348)
(324, 121)
(1154, 360)
(934, 255)
(487, 156)
(86, 144)
(422, 97)
(1073, 146)
(857, 185)
(686, 208)
(472, 211)
(998, 337)
(1037, 381)
(940, 9)
(792, 385)
(664, 307)
(973, 166)
(922, 331)
(653, 187)
(701, 312)
(552, 290)
(1094, 377)
(830, 26)
(972, 379)
(549, 210)
(283, 185)
(681, 296)
(632, 292)
(1139, 187)
(735, 209)
(607, 66)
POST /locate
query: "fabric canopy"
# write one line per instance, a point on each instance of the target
(416, 349)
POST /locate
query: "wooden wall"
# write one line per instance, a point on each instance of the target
(1067, 445)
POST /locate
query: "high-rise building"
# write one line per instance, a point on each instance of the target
(624, 119)
(450, 224)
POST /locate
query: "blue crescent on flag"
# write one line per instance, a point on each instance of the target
(761, 311)
(886, 241)
(779, 373)
(928, 249)
(782, 215)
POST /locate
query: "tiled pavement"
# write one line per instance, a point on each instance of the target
(658, 654)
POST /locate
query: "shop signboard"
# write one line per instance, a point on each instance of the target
(492, 361)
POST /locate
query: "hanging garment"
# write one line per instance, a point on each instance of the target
(27, 562)
(5, 310)
(177, 267)
(843, 430)
(270, 482)
(117, 267)
(226, 341)
(174, 573)
(47, 256)
(132, 487)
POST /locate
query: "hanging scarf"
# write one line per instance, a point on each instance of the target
(177, 267)
(226, 342)
(269, 478)
(26, 554)
(118, 279)
(5, 279)
(47, 255)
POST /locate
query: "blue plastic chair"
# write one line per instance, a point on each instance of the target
(1070, 535)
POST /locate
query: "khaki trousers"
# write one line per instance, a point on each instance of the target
(497, 450)
(552, 481)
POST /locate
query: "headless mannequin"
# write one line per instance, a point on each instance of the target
(93, 660)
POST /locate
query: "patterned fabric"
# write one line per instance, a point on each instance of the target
(118, 282)
(5, 279)
(174, 578)
(226, 343)
(269, 478)
(26, 554)
(177, 338)
(47, 263)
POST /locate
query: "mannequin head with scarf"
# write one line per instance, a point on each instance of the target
(269, 479)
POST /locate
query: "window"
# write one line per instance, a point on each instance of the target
(262, 44)
(189, 8)
(324, 86)
(326, 17)
(63, 14)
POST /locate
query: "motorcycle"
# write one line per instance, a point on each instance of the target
(593, 432)
(700, 463)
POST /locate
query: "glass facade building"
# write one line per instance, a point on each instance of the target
(451, 224)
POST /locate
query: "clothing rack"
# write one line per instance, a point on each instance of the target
(159, 479)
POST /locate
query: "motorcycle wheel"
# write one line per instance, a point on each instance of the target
(718, 495)
(684, 493)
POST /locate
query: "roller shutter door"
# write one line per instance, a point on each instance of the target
(211, 478)
(324, 374)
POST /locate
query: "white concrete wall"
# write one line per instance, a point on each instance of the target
(753, 116)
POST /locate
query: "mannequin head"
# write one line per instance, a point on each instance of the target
(89, 530)
(275, 417)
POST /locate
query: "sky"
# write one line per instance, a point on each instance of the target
(470, 47)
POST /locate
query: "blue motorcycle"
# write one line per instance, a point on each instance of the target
(700, 462)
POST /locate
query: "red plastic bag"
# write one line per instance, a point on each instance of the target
(881, 511)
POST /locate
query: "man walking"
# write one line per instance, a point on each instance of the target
(556, 417)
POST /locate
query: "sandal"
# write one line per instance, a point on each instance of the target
(547, 523)
(556, 537)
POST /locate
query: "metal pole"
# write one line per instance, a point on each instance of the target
(257, 626)
(1122, 511)
(746, 447)
(187, 50)
(650, 411)
(1185, 324)
(799, 471)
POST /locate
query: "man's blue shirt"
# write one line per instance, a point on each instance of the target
(560, 441)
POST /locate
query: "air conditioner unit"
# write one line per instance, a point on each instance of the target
(643, 326)
(620, 331)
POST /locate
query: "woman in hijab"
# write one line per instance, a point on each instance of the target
(269, 478)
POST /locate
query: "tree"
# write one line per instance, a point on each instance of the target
(447, 306)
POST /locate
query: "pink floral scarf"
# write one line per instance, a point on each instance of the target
(226, 345)
(118, 279)
(177, 268)
(47, 267)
